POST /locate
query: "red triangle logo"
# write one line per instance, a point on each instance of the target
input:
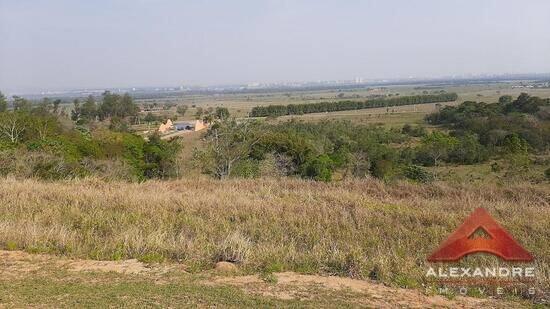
(500, 243)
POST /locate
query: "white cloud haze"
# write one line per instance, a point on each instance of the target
(118, 43)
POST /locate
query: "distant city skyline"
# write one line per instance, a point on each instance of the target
(63, 44)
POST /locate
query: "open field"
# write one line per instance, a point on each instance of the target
(264, 226)
(392, 117)
(240, 104)
(43, 280)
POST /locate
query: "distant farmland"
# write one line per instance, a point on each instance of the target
(299, 109)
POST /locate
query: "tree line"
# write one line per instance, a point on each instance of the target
(111, 105)
(321, 107)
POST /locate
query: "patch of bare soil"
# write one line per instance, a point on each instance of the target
(291, 285)
(16, 263)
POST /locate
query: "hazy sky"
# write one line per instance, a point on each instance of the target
(68, 43)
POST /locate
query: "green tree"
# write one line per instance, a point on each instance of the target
(76, 112)
(21, 104)
(227, 143)
(43, 126)
(515, 145)
(56, 104)
(159, 157)
(516, 153)
(13, 126)
(115, 105)
(437, 146)
(319, 168)
(150, 118)
(182, 109)
(469, 150)
(221, 113)
(88, 110)
(119, 124)
(199, 112)
(505, 99)
(3, 103)
(208, 118)
(128, 107)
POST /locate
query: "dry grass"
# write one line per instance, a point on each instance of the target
(361, 228)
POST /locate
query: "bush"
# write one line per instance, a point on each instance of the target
(151, 257)
(384, 169)
(319, 168)
(468, 151)
(246, 169)
(418, 173)
(55, 169)
(416, 131)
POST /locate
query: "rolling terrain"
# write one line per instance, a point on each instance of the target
(267, 227)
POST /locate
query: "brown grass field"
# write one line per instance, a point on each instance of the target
(362, 229)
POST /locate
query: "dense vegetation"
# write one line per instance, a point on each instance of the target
(511, 130)
(34, 142)
(525, 120)
(322, 107)
(319, 150)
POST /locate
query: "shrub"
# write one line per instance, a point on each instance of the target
(418, 173)
(152, 257)
(468, 151)
(383, 169)
(416, 131)
(11, 246)
(54, 169)
(319, 168)
(246, 169)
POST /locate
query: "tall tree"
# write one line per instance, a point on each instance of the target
(12, 126)
(75, 113)
(222, 113)
(56, 104)
(128, 107)
(21, 104)
(3, 103)
(228, 142)
(88, 110)
(182, 109)
(437, 146)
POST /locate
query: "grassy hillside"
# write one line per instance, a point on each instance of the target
(360, 229)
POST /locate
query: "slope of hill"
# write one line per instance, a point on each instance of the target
(361, 229)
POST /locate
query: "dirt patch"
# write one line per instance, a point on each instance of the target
(291, 285)
(285, 286)
(14, 263)
(125, 267)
